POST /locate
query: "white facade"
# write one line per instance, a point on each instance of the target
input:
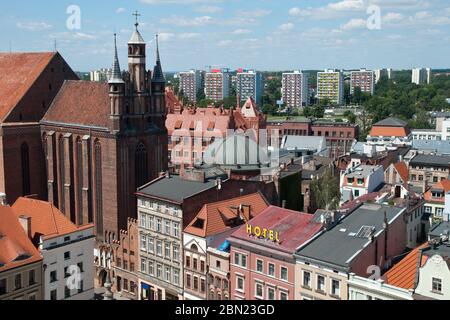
(382, 73)
(360, 180)
(421, 76)
(360, 288)
(434, 278)
(68, 266)
(101, 75)
(432, 135)
(295, 89)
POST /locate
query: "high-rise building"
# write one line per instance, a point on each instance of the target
(330, 86)
(191, 82)
(249, 84)
(217, 84)
(421, 76)
(100, 75)
(379, 73)
(295, 89)
(364, 79)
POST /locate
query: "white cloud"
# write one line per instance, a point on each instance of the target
(354, 24)
(295, 11)
(347, 5)
(188, 22)
(225, 43)
(392, 17)
(423, 15)
(189, 35)
(208, 9)
(165, 36)
(256, 13)
(120, 10)
(188, 2)
(286, 27)
(33, 26)
(241, 31)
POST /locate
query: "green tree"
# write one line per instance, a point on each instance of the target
(325, 191)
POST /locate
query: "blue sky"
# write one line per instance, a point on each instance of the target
(260, 34)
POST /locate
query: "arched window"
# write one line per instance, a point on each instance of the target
(98, 188)
(61, 169)
(79, 153)
(194, 248)
(141, 165)
(25, 160)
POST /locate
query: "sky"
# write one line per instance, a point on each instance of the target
(254, 34)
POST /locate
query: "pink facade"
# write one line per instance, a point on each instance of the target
(281, 288)
(262, 263)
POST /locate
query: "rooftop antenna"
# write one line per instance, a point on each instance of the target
(55, 44)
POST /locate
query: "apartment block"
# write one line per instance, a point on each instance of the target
(364, 79)
(330, 86)
(217, 84)
(191, 82)
(421, 76)
(295, 89)
(250, 84)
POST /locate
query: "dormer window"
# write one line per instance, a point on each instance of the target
(361, 181)
(350, 180)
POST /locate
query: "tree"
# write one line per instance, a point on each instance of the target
(325, 191)
(351, 117)
(269, 109)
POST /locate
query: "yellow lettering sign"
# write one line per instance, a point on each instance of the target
(263, 233)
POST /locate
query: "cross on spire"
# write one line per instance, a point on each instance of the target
(137, 15)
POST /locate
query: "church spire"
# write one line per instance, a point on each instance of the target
(116, 73)
(158, 75)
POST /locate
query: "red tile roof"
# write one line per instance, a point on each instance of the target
(81, 103)
(46, 219)
(294, 228)
(18, 73)
(441, 185)
(16, 249)
(213, 218)
(388, 132)
(402, 170)
(403, 274)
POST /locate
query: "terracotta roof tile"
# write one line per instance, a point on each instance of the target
(46, 219)
(403, 274)
(443, 185)
(388, 132)
(18, 73)
(402, 170)
(15, 248)
(215, 215)
(81, 103)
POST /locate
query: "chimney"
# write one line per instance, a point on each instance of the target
(25, 222)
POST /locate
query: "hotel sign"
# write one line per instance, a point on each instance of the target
(263, 233)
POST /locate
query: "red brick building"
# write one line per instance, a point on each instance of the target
(104, 140)
(28, 85)
(340, 136)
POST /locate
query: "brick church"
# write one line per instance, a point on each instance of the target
(84, 146)
(104, 140)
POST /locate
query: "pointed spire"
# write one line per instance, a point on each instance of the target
(116, 73)
(158, 75)
(136, 38)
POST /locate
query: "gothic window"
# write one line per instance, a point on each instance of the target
(141, 165)
(98, 188)
(25, 157)
(79, 152)
(62, 173)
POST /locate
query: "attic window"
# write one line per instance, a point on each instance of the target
(22, 257)
(199, 224)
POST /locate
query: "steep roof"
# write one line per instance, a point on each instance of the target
(46, 220)
(443, 185)
(402, 170)
(81, 103)
(16, 249)
(294, 228)
(18, 73)
(403, 274)
(213, 217)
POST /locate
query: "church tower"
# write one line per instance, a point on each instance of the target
(139, 77)
(116, 92)
(158, 92)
